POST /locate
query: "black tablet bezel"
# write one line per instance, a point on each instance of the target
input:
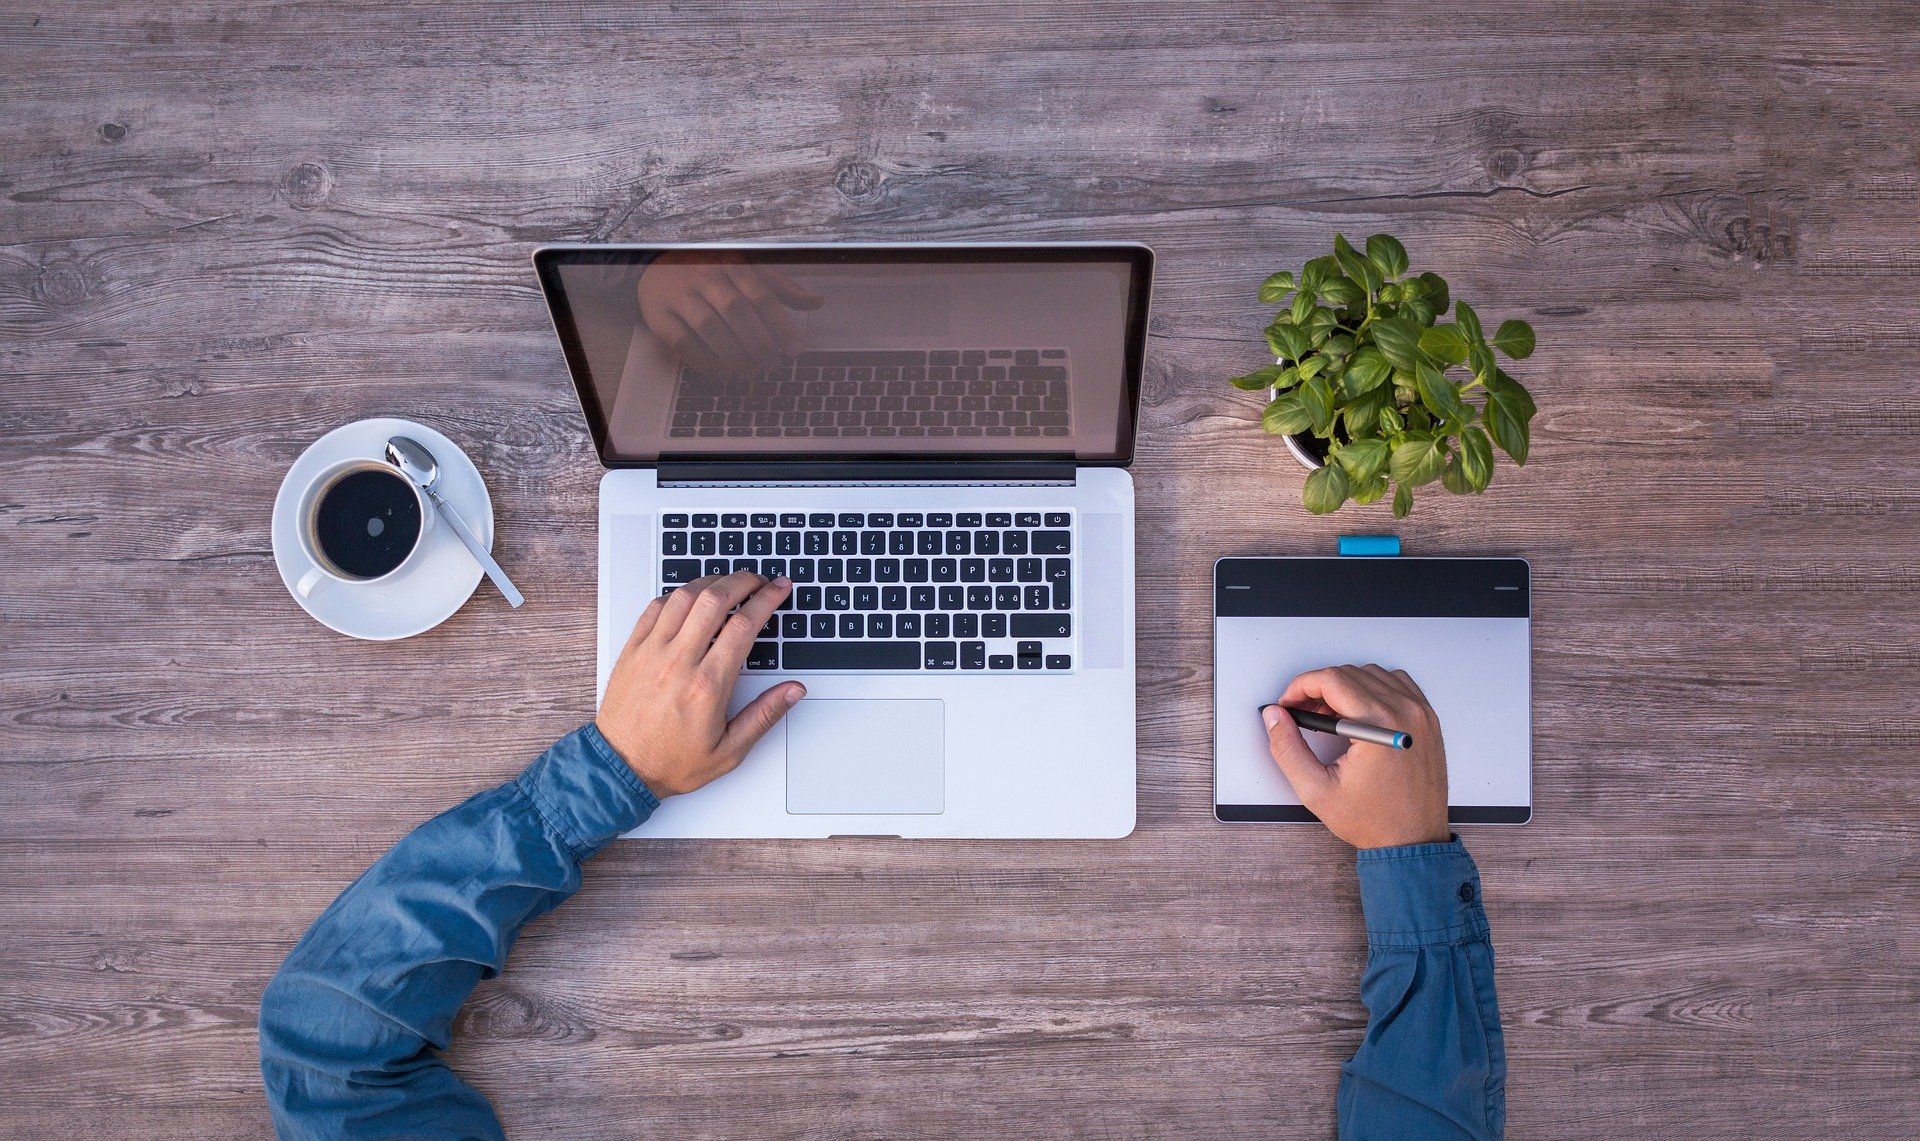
(1392, 587)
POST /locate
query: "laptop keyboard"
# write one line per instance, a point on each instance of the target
(883, 393)
(887, 591)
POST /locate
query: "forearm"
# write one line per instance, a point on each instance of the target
(351, 1025)
(1433, 1062)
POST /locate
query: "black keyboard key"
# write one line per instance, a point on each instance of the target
(1059, 661)
(993, 625)
(717, 566)
(893, 598)
(946, 570)
(751, 566)
(866, 598)
(815, 542)
(859, 570)
(999, 570)
(707, 521)
(873, 542)
(922, 597)
(837, 597)
(820, 521)
(1013, 542)
(793, 625)
(846, 542)
(937, 626)
(880, 519)
(986, 542)
(906, 625)
(914, 570)
(765, 519)
(879, 625)
(793, 519)
(952, 598)
(801, 570)
(1058, 519)
(1027, 519)
(910, 520)
(822, 625)
(886, 570)
(1028, 649)
(760, 542)
(733, 543)
(831, 570)
(1026, 357)
(1037, 598)
(1061, 578)
(850, 656)
(773, 568)
(1042, 625)
(852, 519)
(1030, 570)
(967, 519)
(703, 543)
(899, 542)
(679, 570)
(979, 598)
(1052, 542)
(1006, 598)
(806, 597)
(1000, 519)
(673, 520)
(959, 542)
(939, 519)
(764, 656)
(966, 625)
(787, 543)
(927, 543)
(973, 655)
(732, 520)
(1025, 663)
(673, 543)
(852, 625)
(942, 655)
(973, 570)
(1000, 662)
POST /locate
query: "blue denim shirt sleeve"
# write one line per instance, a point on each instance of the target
(1433, 1062)
(352, 1025)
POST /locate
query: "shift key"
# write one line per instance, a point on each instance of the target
(1040, 625)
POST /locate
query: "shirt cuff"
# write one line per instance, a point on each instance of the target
(1420, 895)
(585, 791)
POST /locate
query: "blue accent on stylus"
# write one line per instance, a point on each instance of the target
(1369, 546)
(1402, 741)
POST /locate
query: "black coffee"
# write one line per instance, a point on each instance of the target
(367, 522)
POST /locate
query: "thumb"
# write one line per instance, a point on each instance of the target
(760, 715)
(792, 294)
(1302, 769)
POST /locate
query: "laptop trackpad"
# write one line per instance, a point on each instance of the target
(879, 756)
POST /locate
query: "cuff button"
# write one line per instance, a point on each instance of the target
(1466, 893)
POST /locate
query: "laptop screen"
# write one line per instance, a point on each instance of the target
(853, 352)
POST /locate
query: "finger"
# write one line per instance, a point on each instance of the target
(1386, 684)
(735, 641)
(753, 285)
(760, 715)
(644, 625)
(710, 325)
(1413, 687)
(1340, 688)
(673, 613)
(710, 610)
(687, 345)
(791, 293)
(745, 324)
(1302, 769)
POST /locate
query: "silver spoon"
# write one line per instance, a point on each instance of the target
(417, 464)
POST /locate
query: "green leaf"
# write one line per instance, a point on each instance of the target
(1440, 395)
(1476, 458)
(1421, 312)
(1316, 396)
(1453, 479)
(1391, 421)
(1258, 379)
(1317, 271)
(1362, 412)
(1312, 366)
(1469, 320)
(1402, 501)
(1418, 461)
(1515, 339)
(1386, 252)
(1321, 320)
(1326, 490)
(1509, 431)
(1481, 357)
(1366, 370)
(1338, 345)
(1289, 376)
(1511, 393)
(1390, 293)
(1302, 305)
(1445, 343)
(1353, 265)
(1276, 287)
(1286, 415)
(1342, 291)
(1371, 491)
(1437, 293)
(1290, 341)
(1362, 458)
(1399, 340)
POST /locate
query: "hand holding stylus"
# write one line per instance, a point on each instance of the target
(1374, 796)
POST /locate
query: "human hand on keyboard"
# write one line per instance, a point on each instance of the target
(721, 314)
(665, 711)
(1373, 796)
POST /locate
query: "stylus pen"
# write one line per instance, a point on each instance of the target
(1351, 730)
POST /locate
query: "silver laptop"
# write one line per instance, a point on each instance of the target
(931, 441)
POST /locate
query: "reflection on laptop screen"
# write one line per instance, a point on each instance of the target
(824, 352)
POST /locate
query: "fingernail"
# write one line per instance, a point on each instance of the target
(795, 693)
(783, 580)
(1270, 714)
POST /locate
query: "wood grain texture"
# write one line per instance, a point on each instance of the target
(226, 228)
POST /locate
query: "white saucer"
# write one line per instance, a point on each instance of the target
(444, 574)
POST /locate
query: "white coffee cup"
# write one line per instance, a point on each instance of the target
(323, 571)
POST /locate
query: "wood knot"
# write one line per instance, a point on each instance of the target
(1505, 163)
(307, 185)
(858, 182)
(62, 284)
(1758, 239)
(113, 132)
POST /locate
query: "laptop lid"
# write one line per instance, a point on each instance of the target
(852, 354)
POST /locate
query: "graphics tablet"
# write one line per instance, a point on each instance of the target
(1461, 627)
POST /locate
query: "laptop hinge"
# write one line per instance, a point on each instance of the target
(889, 472)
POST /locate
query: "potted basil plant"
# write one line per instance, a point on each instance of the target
(1374, 393)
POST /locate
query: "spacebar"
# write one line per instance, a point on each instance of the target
(850, 656)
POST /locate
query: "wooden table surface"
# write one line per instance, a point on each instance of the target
(228, 228)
